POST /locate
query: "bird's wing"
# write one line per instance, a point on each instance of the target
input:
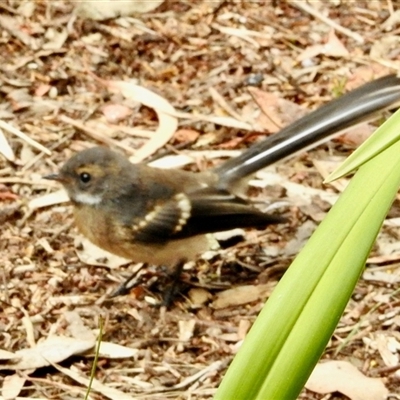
(198, 212)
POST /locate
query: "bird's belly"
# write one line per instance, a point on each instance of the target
(166, 254)
(112, 240)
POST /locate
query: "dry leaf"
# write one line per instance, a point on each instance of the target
(389, 249)
(9, 128)
(269, 119)
(383, 260)
(388, 348)
(333, 47)
(381, 276)
(53, 350)
(42, 89)
(7, 355)
(12, 386)
(326, 167)
(383, 47)
(365, 74)
(90, 254)
(112, 350)
(198, 296)
(115, 112)
(50, 199)
(298, 194)
(186, 329)
(98, 130)
(167, 123)
(190, 157)
(56, 38)
(393, 20)
(101, 10)
(301, 237)
(276, 112)
(244, 327)
(357, 135)
(223, 121)
(5, 148)
(27, 9)
(186, 135)
(241, 295)
(15, 27)
(109, 392)
(76, 327)
(343, 377)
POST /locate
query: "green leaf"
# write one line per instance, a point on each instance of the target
(291, 332)
(384, 137)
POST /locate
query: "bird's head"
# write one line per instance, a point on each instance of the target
(92, 175)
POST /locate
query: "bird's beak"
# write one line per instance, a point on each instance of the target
(52, 177)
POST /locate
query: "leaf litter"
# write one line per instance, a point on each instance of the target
(222, 78)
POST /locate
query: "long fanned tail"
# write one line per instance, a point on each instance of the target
(357, 106)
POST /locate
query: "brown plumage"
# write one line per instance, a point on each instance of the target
(147, 214)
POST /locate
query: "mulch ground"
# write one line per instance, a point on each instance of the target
(232, 72)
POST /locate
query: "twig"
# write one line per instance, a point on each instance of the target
(303, 6)
(95, 134)
(223, 104)
(9, 128)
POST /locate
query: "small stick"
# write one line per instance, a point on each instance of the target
(303, 6)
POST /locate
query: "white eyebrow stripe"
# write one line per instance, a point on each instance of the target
(86, 198)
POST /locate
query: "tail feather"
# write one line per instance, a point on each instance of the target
(357, 106)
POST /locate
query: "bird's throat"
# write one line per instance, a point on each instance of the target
(87, 199)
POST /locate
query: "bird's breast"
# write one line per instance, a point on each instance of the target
(117, 239)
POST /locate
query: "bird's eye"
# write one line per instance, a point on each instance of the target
(85, 177)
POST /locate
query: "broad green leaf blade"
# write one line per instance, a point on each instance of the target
(326, 304)
(387, 134)
(298, 320)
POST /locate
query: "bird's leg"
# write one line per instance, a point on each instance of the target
(172, 289)
(128, 284)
